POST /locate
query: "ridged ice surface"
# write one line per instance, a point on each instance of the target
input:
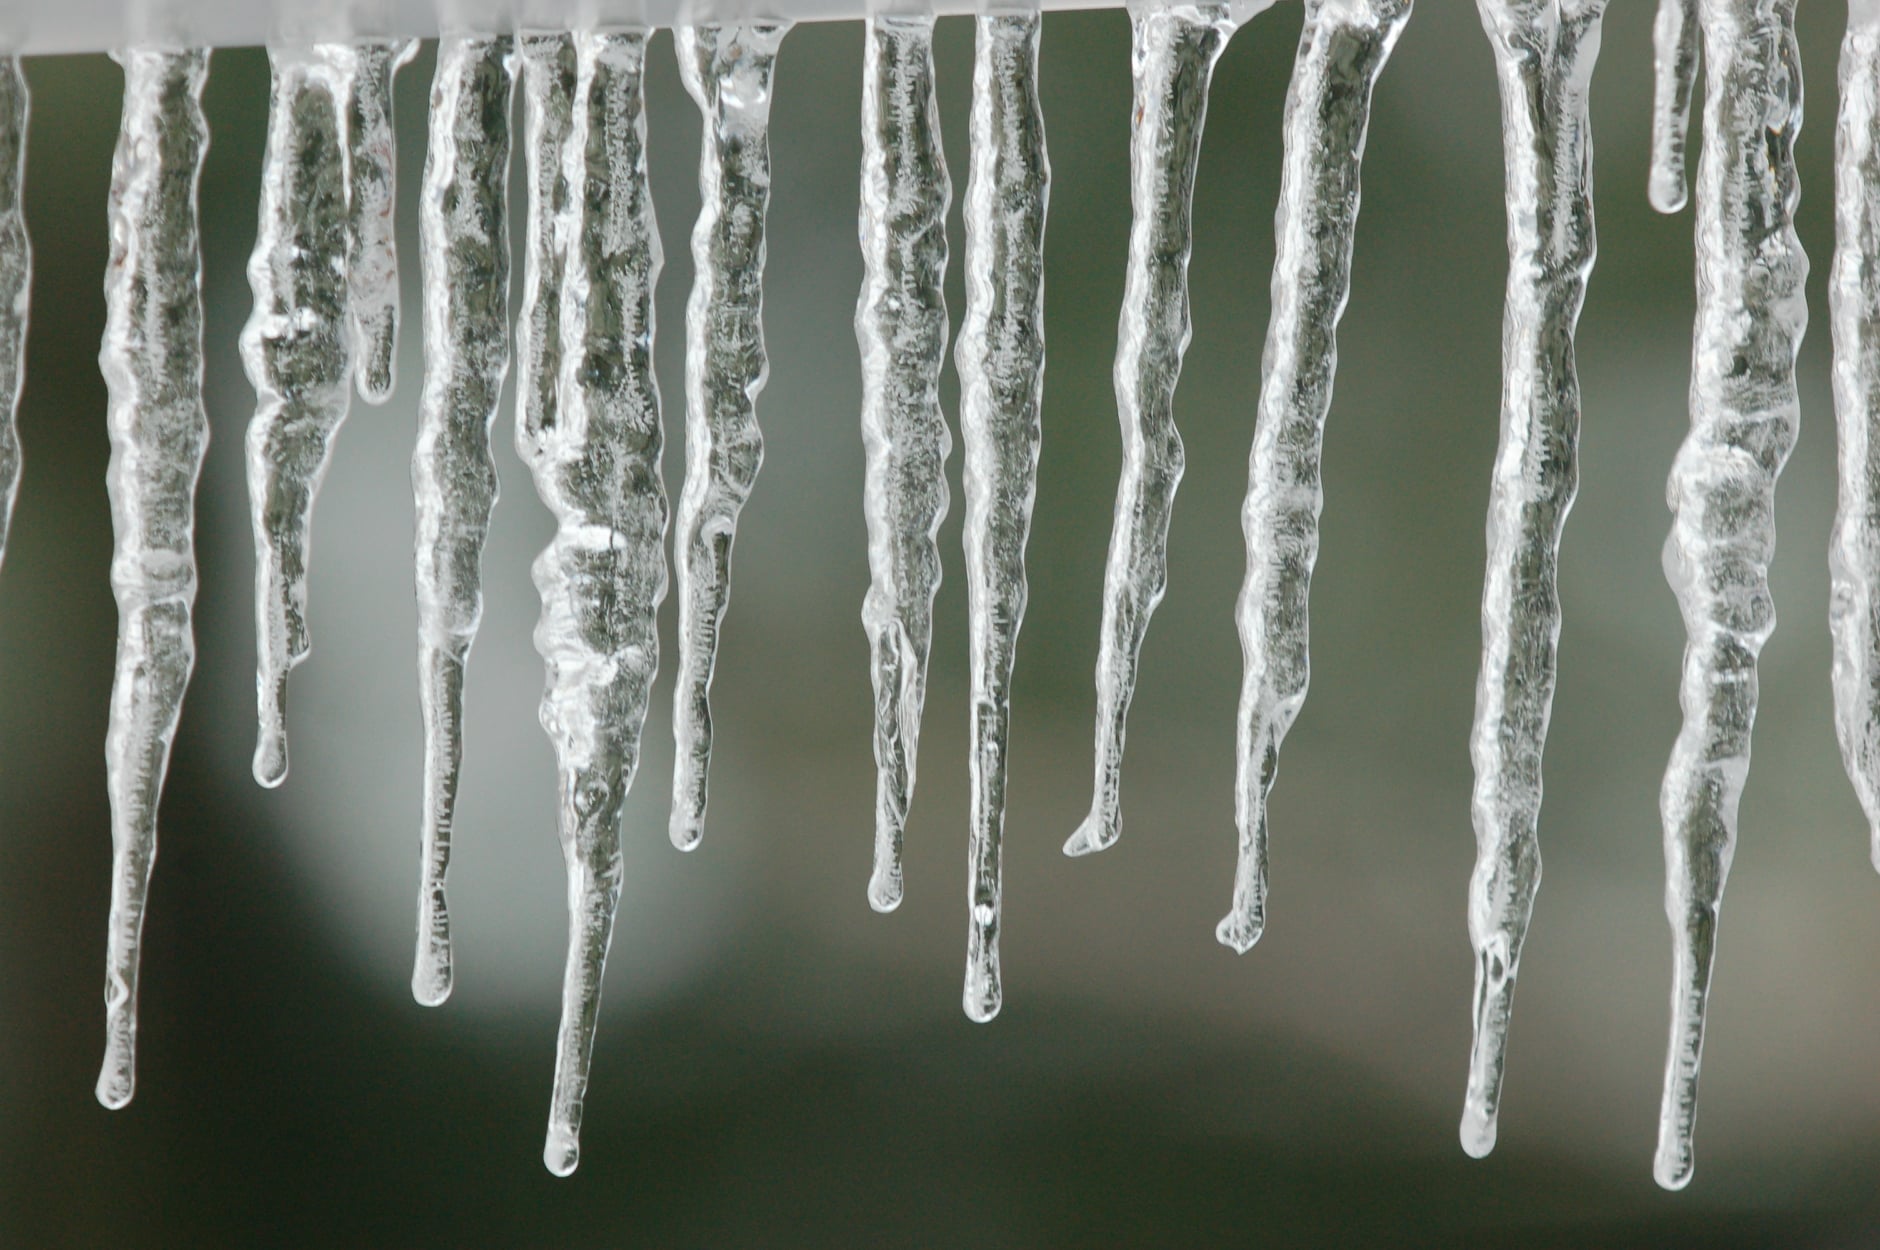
(152, 366)
(1674, 81)
(372, 147)
(16, 280)
(547, 79)
(1342, 49)
(1000, 358)
(1173, 52)
(297, 352)
(463, 235)
(595, 457)
(901, 328)
(1744, 417)
(728, 70)
(1544, 54)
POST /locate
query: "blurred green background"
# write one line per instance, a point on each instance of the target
(780, 1066)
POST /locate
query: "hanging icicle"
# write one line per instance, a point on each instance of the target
(464, 253)
(152, 366)
(1342, 50)
(1674, 81)
(1751, 314)
(16, 280)
(1544, 54)
(372, 168)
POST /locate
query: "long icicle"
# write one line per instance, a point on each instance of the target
(1751, 313)
(464, 246)
(728, 70)
(152, 366)
(297, 352)
(16, 280)
(372, 147)
(1342, 50)
(1674, 81)
(596, 464)
(1544, 55)
(1000, 358)
(901, 328)
(1174, 47)
(1854, 303)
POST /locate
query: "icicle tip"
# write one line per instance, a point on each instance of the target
(1674, 1166)
(562, 1154)
(1478, 1132)
(885, 889)
(270, 767)
(1095, 834)
(116, 1083)
(1239, 933)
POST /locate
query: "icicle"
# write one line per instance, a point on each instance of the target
(16, 280)
(1544, 54)
(1174, 49)
(372, 144)
(595, 457)
(1854, 300)
(1000, 358)
(464, 244)
(901, 327)
(297, 351)
(728, 71)
(152, 366)
(1744, 415)
(1674, 80)
(1342, 49)
(548, 87)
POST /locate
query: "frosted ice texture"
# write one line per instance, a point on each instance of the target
(16, 280)
(1674, 81)
(372, 157)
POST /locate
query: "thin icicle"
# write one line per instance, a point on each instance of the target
(596, 464)
(1854, 301)
(1544, 54)
(1674, 81)
(297, 351)
(372, 145)
(152, 366)
(1342, 49)
(1000, 358)
(547, 76)
(464, 246)
(1173, 53)
(901, 327)
(728, 70)
(16, 280)
(1745, 412)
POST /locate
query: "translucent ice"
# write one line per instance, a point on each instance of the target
(372, 230)
(16, 273)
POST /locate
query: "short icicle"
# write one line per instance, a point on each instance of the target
(1544, 54)
(901, 327)
(1674, 81)
(464, 254)
(1342, 50)
(1000, 358)
(372, 228)
(595, 458)
(1174, 47)
(297, 352)
(152, 366)
(1745, 412)
(16, 280)
(728, 69)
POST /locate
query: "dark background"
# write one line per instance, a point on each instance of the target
(777, 1065)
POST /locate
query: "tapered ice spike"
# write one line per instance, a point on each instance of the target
(1751, 314)
(728, 70)
(464, 254)
(1000, 359)
(901, 328)
(1544, 55)
(1174, 47)
(595, 458)
(372, 147)
(1674, 81)
(1342, 50)
(16, 280)
(152, 366)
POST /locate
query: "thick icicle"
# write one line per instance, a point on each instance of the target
(1000, 358)
(1172, 58)
(297, 351)
(16, 280)
(728, 70)
(1342, 49)
(1544, 54)
(152, 366)
(1674, 80)
(901, 327)
(1751, 314)
(372, 145)
(595, 457)
(464, 246)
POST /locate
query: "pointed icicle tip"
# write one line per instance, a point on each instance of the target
(115, 1089)
(1238, 933)
(1674, 1167)
(885, 891)
(1092, 836)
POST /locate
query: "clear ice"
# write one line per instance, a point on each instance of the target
(594, 448)
(1000, 358)
(1342, 50)
(372, 152)
(152, 366)
(1744, 416)
(16, 280)
(901, 328)
(464, 254)
(1674, 81)
(1544, 55)
(728, 69)
(297, 351)
(1173, 50)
